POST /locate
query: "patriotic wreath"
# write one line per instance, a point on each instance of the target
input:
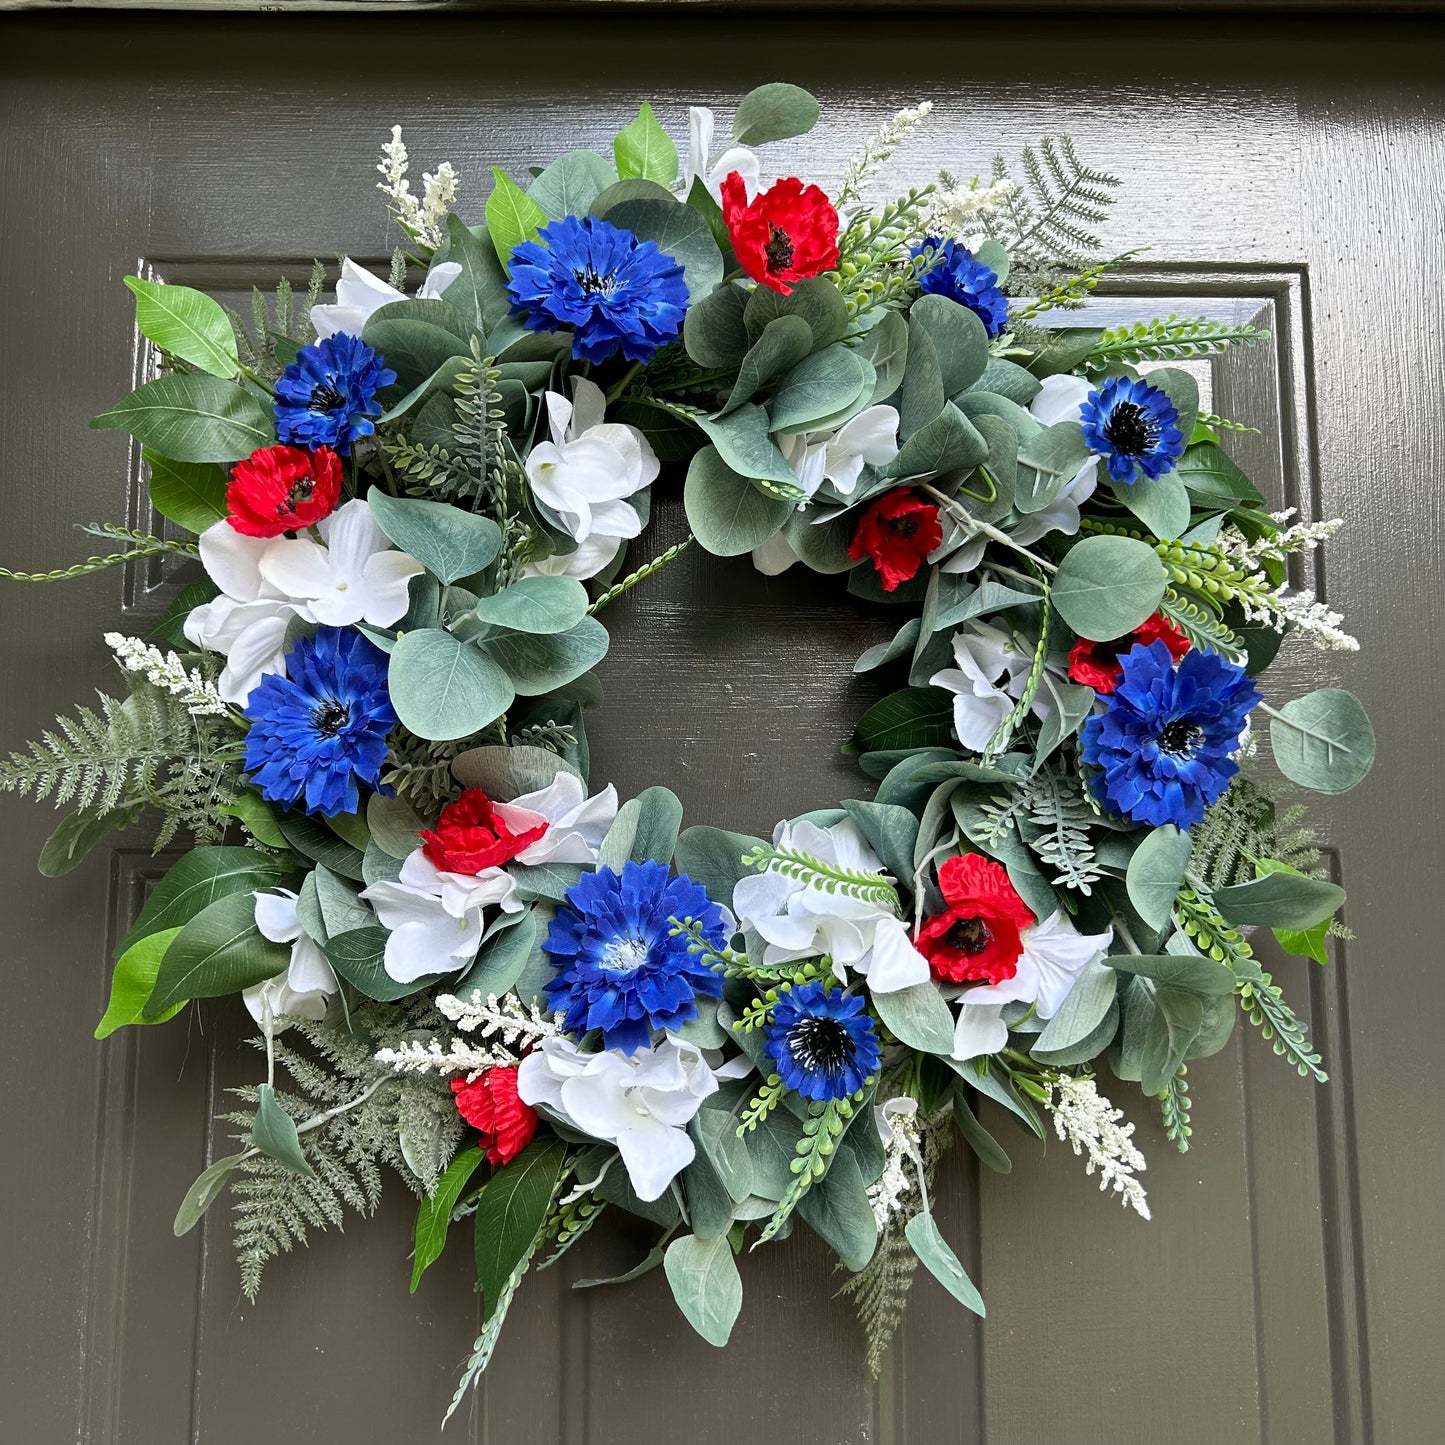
(532, 1003)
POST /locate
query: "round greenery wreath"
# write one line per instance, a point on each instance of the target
(534, 1003)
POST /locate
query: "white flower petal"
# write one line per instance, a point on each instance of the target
(980, 1030)
(383, 596)
(260, 649)
(276, 916)
(298, 567)
(438, 279)
(1059, 399)
(351, 535)
(894, 963)
(233, 561)
(654, 1155)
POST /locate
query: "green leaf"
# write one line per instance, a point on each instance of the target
(448, 542)
(274, 1133)
(816, 299)
(1106, 586)
(338, 903)
(538, 664)
(257, 817)
(1323, 741)
(917, 717)
(706, 1284)
(679, 232)
(132, 982)
(1156, 872)
(714, 858)
(443, 688)
(512, 217)
(837, 1210)
(918, 1017)
(714, 333)
(1177, 970)
(727, 513)
(414, 348)
(510, 1213)
(777, 111)
(1181, 388)
(219, 951)
(885, 348)
(192, 418)
(570, 184)
(192, 495)
(541, 605)
(949, 443)
(649, 1262)
(644, 149)
(186, 323)
(744, 441)
(434, 1213)
(313, 840)
(500, 960)
(659, 818)
(1178, 1015)
(394, 824)
(892, 831)
(1160, 503)
(1214, 480)
(195, 882)
(1082, 1011)
(69, 845)
(958, 338)
(819, 386)
(480, 291)
(941, 1262)
(203, 1193)
(714, 1128)
(1280, 900)
(785, 341)
(1306, 942)
(359, 956)
(990, 1152)
(504, 773)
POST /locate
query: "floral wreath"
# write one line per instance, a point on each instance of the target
(534, 1003)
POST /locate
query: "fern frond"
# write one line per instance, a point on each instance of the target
(1059, 819)
(869, 887)
(1203, 629)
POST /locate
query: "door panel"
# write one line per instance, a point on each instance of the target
(1287, 1288)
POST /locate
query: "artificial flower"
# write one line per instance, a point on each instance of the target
(1163, 746)
(839, 456)
(613, 291)
(434, 918)
(301, 990)
(282, 489)
(987, 680)
(896, 532)
(701, 165)
(576, 824)
(490, 1104)
(956, 274)
(359, 293)
(327, 396)
(977, 935)
(642, 1102)
(586, 473)
(822, 1041)
(796, 917)
(1134, 427)
(621, 965)
(1060, 399)
(322, 728)
(1052, 955)
(783, 234)
(357, 576)
(473, 835)
(1097, 665)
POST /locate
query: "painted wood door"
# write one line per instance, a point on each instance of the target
(1289, 1286)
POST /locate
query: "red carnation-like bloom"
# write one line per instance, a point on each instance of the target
(784, 234)
(1097, 665)
(978, 937)
(491, 1106)
(471, 836)
(898, 531)
(282, 489)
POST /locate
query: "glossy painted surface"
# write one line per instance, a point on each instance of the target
(1287, 1290)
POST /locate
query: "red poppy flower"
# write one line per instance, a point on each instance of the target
(897, 531)
(471, 836)
(978, 936)
(1097, 665)
(282, 489)
(784, 234)
(491, 1106)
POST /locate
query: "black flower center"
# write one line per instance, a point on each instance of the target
(968, 935)
(592, 283)
(779, 249)
(300, 492)
(904, 526)
(1180, 738)
(820, 1045)
(325, 396)
(1132, 429)
(329, 717)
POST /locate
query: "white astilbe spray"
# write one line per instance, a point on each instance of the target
(423, 217)
(417, 1056)
(878, 149)
(507, 1021)
(958, 206)
(166, 671)
(1086, 1121)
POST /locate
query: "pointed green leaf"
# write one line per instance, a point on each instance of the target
(219, 951)
(941, 1262)
(192, 495)
(186, 323)
(274, 1133)
(192, 418)
(131, 984)
(644, 149)
(510, 1212)
(512, 217)
(434, 1214)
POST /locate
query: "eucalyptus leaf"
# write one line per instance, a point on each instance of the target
(744, 441)
(918, 1017)
(1280, 900)
(1188, 971)
(727, 513)
(1160, 503)
(714, 858)
(714, 333)
(537, 664)
(679, 232)
(443, 688)
(505, 773)
(1323, 741)
(204, 1193)
(541, 605)
(479, 292)
(570, 184)
(784, 342)
(394, 824)
(448, 542)
(706, 1284)
(818, 386)
(941, 1262)
(1176, 1021)
(959, 340)
(816, 299)
(359, 956)
(777, 111)
(273, 1132)
(1156, 873)
(500, 960)
(1106, 586)
(1083, 1009)
(838, 1211)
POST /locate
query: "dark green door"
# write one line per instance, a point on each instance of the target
(1288, 1288)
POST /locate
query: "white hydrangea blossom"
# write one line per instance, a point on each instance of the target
(166, 671)
(958, 206)
(878, 148)
(425, 216)
(1086, 1121)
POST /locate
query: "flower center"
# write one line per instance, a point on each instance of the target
(329, 717)
(325, 396)
(779, 249)
(904, 526)
(622, 955)
(1131, 429)
(300, 492)
(821, 1046)
(592, 283)
(969, 935)
(1180, 738)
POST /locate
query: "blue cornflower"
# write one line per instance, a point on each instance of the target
(327, 396)
(958, 276)
(1134, 427)
(323, 726)
(619, 967)
(614, 291)
(823, 1043)
(1162, 745)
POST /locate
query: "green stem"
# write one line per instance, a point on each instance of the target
(623, 381)
(986, 528)
(641, 575)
